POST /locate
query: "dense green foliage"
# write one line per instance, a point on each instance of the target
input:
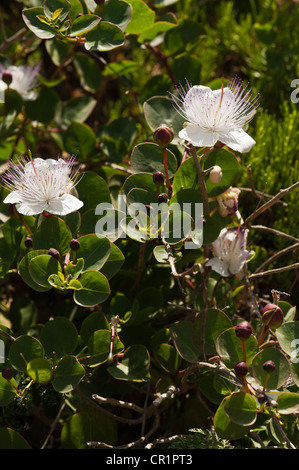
(127, 338)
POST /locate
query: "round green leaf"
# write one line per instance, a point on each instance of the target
(282, 370)
(43, 266)
(40, 29)
(43, 108)
(95, 289)
(68, 374)
(134, 365)
(141, 181)
(59, 336)
(10, 439)
(216, 322)
(117, 12)
(7, 391)
(167, 357)
(114, 262)
(52, 233)
(23, 350)
(229, 348)
(182, 336)
(225, 427)
(40, 370)
(83, 23)
(76, 432)
(25, 273)
(99, 347)
(92, 190)
(104, 37)
(288, 338)
(148, 158)
(142, 17)
(288, 402)
(79, 139)
(94, 250)
(241, 407)
(95, 321)
(76, 111)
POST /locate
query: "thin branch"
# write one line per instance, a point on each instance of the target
(268, 204)
(274, 271)
(274, 231)
(275, 256)
(12, 38)
(53, 425)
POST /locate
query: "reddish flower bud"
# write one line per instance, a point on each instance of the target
(6, 78)
(163, 135)
(162, 197)
(241, 369)
(158, 177)
(272, 316)
(28, 242)
(7, 373)
(54, 253)
(243, 330)
(269, 366)
(74, 244)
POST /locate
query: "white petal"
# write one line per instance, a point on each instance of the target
(64, 205)
(12, 198)
(30, 209)
(198, 136)
(219, 266)
(237, 139)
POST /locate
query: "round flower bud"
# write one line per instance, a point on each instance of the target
(163, 135)
(28, 242)
(6, 78)
(269, 366)
(272, 316)
(241, 369)
(54, 253)
(7, 373)
(74, 244)
(243, 330)
(158, 177)
(162, 197)
(261, 398)
(215, 175)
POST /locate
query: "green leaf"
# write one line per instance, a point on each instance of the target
(68, 374)
(99, 347)
(59, 336)
(39, 370)
(76, 110)
(88, 72)
(92, 190)
(216, 322)
(114, 262)
(95, 289)
(43, 109)
(167, 357)
(94, 250)
(74, 269)
(7, 391)
(155, 30)
(225, 427)
(182, 336)
(117, 12)
(25, 273)
(51, 6)
(160, 110)
(79, 139)
(282, 370)
(288, 338)
(10, 439)
(52, 233)
(104, 37)
(39, 28)
(41, 267)
(288, 402)
(76, 432)
(142, 17)
(83, 24)
(134, 365)
(148, 158)
(177, 38)
(229, 348)
(241, 408)
(23, 350)
(95, 321)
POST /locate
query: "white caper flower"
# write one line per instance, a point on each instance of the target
(217, 115)
(42, 186)
(229, 251)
